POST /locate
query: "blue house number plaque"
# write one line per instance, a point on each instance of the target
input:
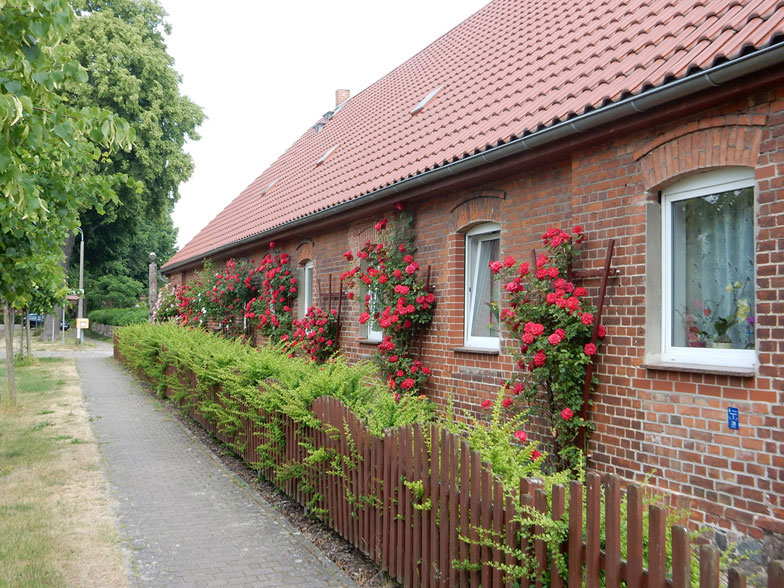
(732, 417)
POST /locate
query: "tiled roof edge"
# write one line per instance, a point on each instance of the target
(646, 100)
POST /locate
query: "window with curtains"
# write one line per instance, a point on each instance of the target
(708, 267)
(306, 289)
(482, 292)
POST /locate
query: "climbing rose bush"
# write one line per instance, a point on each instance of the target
(396, 300)
(316, 334)
(550, 322)
(218, 296)
(270, 310)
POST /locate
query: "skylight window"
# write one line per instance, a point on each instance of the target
(426, 100)
(327, 154)
(268, 188)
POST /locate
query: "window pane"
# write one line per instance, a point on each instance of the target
(308, 286)
(485, 292)
(713, 270)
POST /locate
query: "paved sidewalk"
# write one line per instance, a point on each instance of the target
(187, 519)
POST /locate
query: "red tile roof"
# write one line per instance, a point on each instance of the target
(512, 68)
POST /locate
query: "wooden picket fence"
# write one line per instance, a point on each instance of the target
(410, 500)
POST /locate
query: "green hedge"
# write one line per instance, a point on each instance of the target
(120, 317)
(290, 384)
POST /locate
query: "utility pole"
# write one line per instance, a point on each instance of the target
(152, 276)
(80, 310)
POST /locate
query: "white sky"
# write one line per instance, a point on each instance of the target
(265, 71)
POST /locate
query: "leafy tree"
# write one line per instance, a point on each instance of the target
(47, 151)
(121, 45)
(111, 291)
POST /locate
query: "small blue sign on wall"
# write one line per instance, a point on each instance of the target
(732, 417)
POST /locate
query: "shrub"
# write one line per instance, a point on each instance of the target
(114, 292)
(119, 317)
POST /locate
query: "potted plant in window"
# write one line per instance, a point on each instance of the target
(739, 312)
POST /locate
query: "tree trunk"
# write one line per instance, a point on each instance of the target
(21, 335)
(51, 330)
(8, 316)
(27, 331)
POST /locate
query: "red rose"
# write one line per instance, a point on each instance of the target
(577, 230)
(521, 436)
(506, 403)
(525, 268)
(495, 266)
(602, 331)
(536, 455)
(509, 261)
(348, 255)
(553, 272)
(540, 358)
(426, 371)
(380, 225)
(486, 404)
(554, 339)
(542, 260)
(587, 318)
(567, 414)
(407, 383)
(590, 349)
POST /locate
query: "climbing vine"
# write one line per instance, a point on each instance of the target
(395, 300)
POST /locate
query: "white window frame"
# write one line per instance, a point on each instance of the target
(373, 334)
(306, 289)
(702, 184)
(475, 236)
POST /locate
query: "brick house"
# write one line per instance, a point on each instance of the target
(659, 125)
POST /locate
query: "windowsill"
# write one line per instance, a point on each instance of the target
(694, 368)
(368, 342)
(476, 350)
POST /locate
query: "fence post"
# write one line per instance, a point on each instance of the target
(592, 529)
(633, 537)
(612, 510)
(575, 533)
(737, 578)
(681, 557)
(657, 552)
(775, 574)
(709, 566)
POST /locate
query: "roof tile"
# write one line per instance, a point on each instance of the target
(512, 68)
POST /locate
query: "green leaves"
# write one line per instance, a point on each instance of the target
(45, 146)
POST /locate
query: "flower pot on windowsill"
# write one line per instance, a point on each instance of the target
(722, 344)
(697, 344)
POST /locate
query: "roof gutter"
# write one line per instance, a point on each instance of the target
(648, 100)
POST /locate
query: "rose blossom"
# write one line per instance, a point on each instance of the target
(554, 339)
(486, 404)
(602, 331)
(590, 349)
(521, 436)
(509, 261)
(567, 414)
(495, 266)
(587, 318)
(380, 225)
(536, 455)
(540, 358)
(507, 402)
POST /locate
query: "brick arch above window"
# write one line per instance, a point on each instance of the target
(483, 206)
(304, 251)
(362, 232)
(718, 146)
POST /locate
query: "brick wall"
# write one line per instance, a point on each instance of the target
(670, 426)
